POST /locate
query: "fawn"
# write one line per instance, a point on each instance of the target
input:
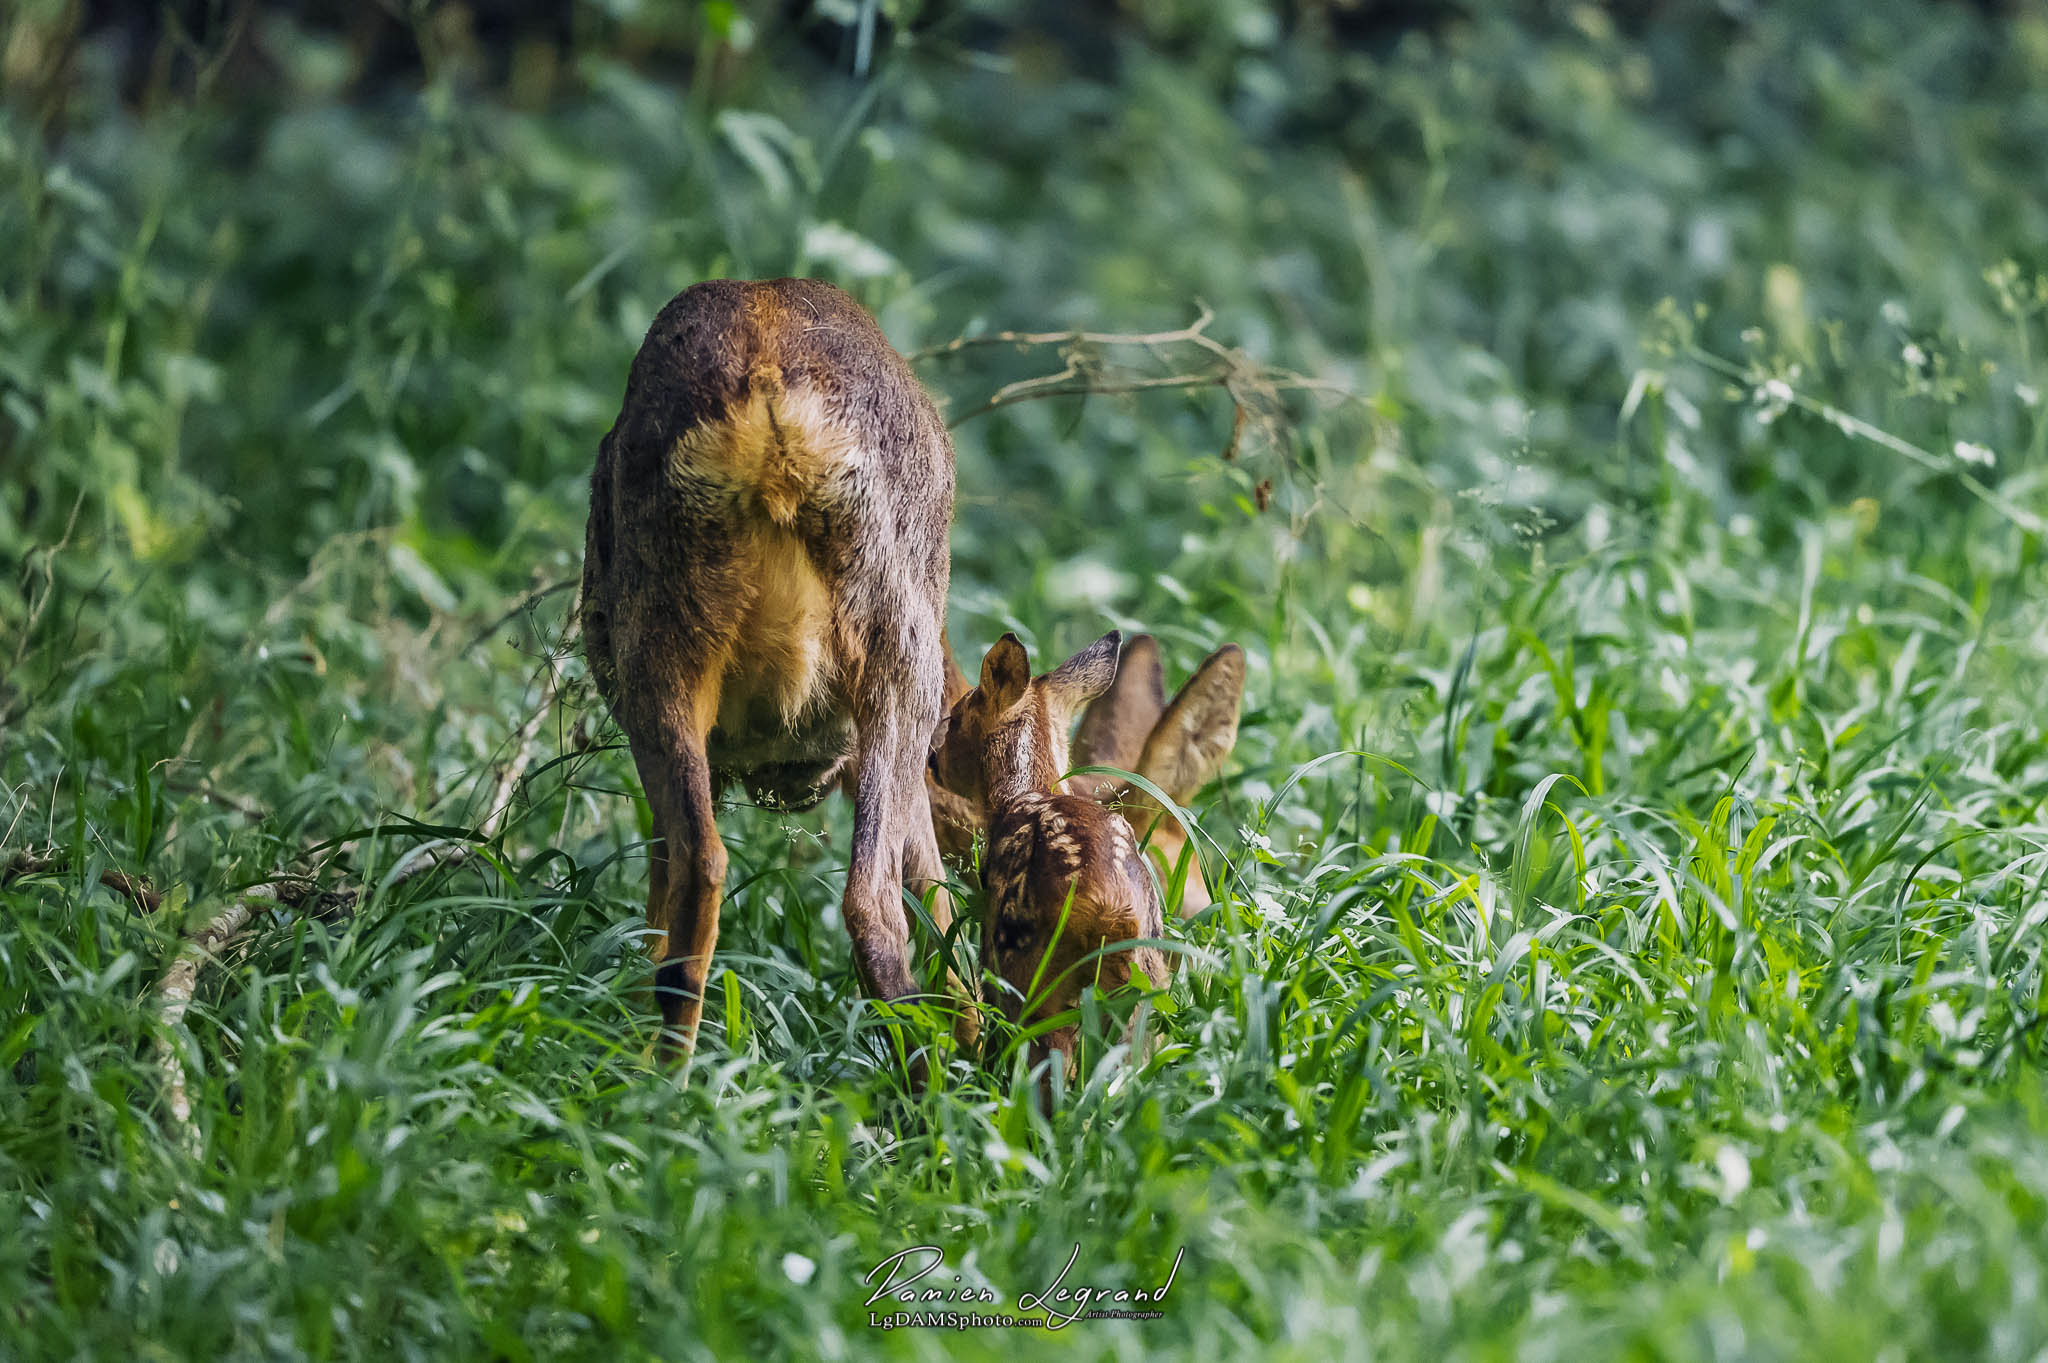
(764, 588)
(1178, 747)
(1063, 874)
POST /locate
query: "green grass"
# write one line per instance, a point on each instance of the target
(1634, 945)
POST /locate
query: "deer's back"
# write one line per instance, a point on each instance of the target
(732, 365)
(1054, 857)
(773, 498)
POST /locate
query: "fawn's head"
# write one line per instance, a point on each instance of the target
(1007, 737)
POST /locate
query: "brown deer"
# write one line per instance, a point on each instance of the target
(764, 586)
(1179, 747)
(1063, 874)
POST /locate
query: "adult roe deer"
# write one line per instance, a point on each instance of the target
(764, 585)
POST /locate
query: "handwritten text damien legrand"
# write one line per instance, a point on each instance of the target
(906, 1280)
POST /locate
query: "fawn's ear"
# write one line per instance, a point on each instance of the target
(1005, 672)
(1191, 740)
(1114, 726)
(1084, 676)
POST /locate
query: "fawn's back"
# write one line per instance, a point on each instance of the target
(1065, 879)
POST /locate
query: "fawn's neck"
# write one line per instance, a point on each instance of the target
(1025, 756)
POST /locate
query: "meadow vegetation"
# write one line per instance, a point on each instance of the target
(1621, 457)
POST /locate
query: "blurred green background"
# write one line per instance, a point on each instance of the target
(1625, 431)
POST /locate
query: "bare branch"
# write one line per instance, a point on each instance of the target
(174, 996)
(1253, 387)
(208, 793)
(1193, 332)
(433, 856)
(135, 889)
(526, 603)
(44, 556)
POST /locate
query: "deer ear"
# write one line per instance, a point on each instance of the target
(1084, 676)
(1114, 726)
(1005, 672)
(1188, 745)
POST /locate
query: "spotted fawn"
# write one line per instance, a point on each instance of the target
(1065, 882)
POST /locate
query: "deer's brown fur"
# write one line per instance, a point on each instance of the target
(764, 588)
(1063, 875)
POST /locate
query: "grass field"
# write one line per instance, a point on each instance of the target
(1623, 464)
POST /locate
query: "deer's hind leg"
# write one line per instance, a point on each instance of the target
(686, 879)
(874, 874)
(895, 710)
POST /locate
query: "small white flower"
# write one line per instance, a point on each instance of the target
(2028, 395)
(1891, 1237)
(1893, 312)
(797, 1268)
(1597, 525)
(1772, 399)
(1971, 453)
(1733, 1167)
(1913, 355)
(165, 1259)
(1752, 335)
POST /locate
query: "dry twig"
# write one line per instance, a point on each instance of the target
(208, 793)
(526, 603)
(134, 889)
(174, 996)
(1252, 387)
(433, 856)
